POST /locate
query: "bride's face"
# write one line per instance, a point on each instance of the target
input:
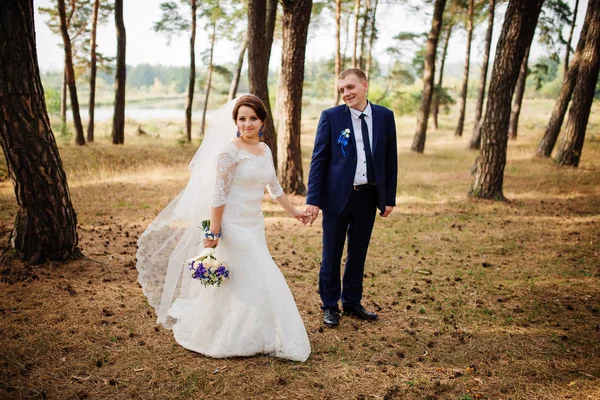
(248, 122)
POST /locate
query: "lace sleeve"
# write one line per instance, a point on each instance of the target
(226, 164)
(273, 186)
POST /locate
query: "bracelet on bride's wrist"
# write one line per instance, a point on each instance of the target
(210, 235)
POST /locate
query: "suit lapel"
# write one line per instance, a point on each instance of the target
(347, 117)
(377, 122)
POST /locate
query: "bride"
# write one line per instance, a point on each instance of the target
(254, 311)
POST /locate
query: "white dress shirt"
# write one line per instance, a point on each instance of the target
(360, 176)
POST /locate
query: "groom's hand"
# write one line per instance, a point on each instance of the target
(313, 211)
(388, 211)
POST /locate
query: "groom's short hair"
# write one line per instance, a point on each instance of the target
(360, 74)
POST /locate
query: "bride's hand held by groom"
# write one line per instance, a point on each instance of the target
(312, 211)
(301, 216)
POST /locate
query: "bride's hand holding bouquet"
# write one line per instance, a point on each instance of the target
(206, 267)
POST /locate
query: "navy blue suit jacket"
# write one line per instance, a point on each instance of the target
(331, 176)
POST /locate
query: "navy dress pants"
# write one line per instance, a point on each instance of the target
(356, 223)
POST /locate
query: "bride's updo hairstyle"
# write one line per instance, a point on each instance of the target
(254, 103)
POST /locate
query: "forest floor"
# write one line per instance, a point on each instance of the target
(477, 299)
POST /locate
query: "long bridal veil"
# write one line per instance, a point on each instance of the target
(175, 234)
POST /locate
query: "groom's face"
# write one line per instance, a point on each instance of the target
(353, 91)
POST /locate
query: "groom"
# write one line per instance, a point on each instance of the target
(353, 172)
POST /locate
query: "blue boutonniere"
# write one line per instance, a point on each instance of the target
(343, 140)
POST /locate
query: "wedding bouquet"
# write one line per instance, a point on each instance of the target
(206, 267)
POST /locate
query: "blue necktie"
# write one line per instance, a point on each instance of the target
(365, 136)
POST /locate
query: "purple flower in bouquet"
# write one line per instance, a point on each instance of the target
(207, 269)
(222, 271)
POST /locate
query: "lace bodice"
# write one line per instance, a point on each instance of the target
(242, 176)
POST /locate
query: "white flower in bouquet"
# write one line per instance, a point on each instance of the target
(207, 269)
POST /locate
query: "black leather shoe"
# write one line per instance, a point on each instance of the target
(331, 318)
(359, 312)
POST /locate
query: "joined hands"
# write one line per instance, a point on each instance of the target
(312, 211)
(302, 216)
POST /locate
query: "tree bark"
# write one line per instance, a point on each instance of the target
(475, 142)
(338, 54)
(569, 152)
(436, 98)
(46, 223)
(93, 61)
(515, 111)
(465, 86)
(346, 43)
(208, 78)
(517, 32)
(363, 34)
(294, 23)
(428, 77)
(355, 44)
(192, 80)
(235, 81)
(70, 73)
(371, 39)
(550, 137)
(261, 25)
(568, 49)
(118, 129)
(63, 101)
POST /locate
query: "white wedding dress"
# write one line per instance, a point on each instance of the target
(252, 312)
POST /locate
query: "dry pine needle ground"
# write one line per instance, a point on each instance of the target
(477, 299)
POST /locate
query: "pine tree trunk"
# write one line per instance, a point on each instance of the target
(70, 72)
(548, 141)
(235, 81)
(93, 61)
(338, 54)
(515, 110)
(261, 25)
(569, 152)
(475, 142)
(436, 97)
(355, 43)
(465, 86)
(294, 25)
(192, 79)
(46, 223)
(517, 32)
(270, 20)
(208, 79)
(418, 144)
(363, 34)
(371, 39)
(346, 42)
(63, 101)
(568, 49)
(118, 129)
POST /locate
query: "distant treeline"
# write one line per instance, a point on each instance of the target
(138, 76)
(544, 79)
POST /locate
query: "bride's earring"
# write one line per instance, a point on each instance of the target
(238, 134)
(260, 132)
